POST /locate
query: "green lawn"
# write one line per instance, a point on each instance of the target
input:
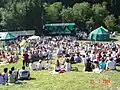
(80, 80)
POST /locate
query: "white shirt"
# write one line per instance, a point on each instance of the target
(110, 65)
(62, 67)
(84, 60)
(30, 56)
(47, 65)
(92, 57)
(32, 66)
(39, 66)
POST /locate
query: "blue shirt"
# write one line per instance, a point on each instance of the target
(102, 65)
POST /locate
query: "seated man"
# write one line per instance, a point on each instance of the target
(23, 74)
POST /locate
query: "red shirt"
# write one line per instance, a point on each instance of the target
(25, 56)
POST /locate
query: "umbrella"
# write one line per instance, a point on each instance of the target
(8, 36)
(33, 38)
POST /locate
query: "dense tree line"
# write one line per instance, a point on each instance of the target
(87, 14)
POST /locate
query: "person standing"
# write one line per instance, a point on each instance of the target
(25, 58)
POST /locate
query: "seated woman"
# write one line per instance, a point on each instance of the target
(57, 66)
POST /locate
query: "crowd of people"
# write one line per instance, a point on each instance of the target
(10, 50)
(81, 35)
(96, 57)
(12, 76)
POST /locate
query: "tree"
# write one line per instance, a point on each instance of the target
(53, 12)
(99, 13)
(82, 12)
(90, 24)
(67, 15)
(110, 21)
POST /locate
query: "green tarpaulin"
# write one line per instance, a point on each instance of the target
(99, 34)
(8, 36)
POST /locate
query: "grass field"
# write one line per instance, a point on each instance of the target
(42, 80)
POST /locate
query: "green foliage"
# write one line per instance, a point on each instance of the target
(35, 13)
(116, 28)
(53, 11)
(81, 12)
(99, 13)
(67, 14)
(110, 21)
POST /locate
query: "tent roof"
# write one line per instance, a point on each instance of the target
(100, 30)
(8, 36)
(61, 24)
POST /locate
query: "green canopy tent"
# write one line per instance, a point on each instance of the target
(59, 28)
(8, 36)
(99, 34)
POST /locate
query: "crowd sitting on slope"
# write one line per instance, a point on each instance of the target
(97, 57)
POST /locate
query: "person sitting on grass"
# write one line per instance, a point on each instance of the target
(15, 72)
(96, 67)
(11, 78)
(67, 65)
(102, 64)
(39, 65)
(23, 74)
(57, 66)
(32, 66)
(88, 66)
(5, 75)
(1, 79)
(110, 65)
(47, 65)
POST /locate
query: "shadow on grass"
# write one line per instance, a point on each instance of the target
(75, 69)
(20, 83)
(118, 70)
(32, 78)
